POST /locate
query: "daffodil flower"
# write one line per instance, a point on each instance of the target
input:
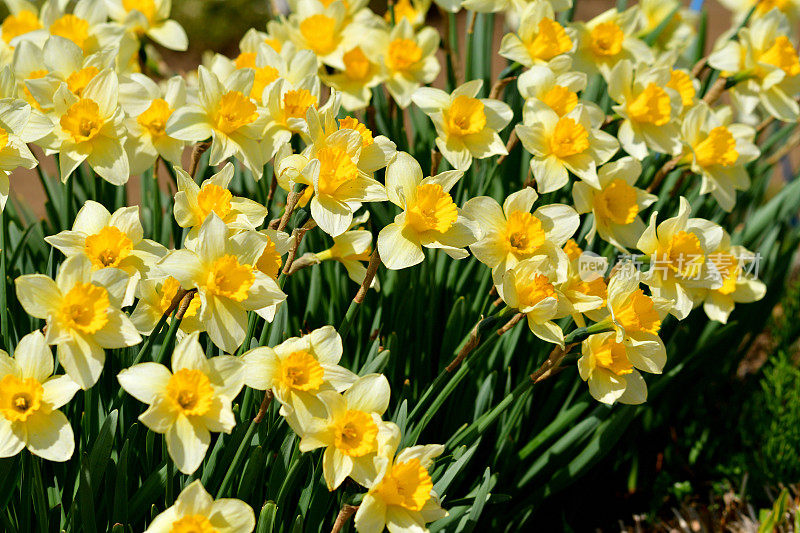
(110, 241)
(358, 75)
(680, 30)
(16, 129)
(82, 310)
(352, 430)
(151, 18)
(467, 126)
(352, 248)
(512, 233)
(741, 9)
(429, 219)
(226, 114)
(185, 404)
(155, 299)
(277, 245)
(539, 39)
(558, 90)
(30, 396)
(570, 143)
(586, 291)
(196, 510)
(23, 18)
(679, 267)
(286, 105)
(616, 205)
(221, 268)
(322, 28)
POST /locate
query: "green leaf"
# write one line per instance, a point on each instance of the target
(266, 519)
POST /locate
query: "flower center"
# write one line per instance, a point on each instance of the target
(23, 22)
(320, 34)
(356, 64)
(213, 198)
(550, 41)
(465, 116)
(145, 7)
(638, 314)
(234, 111)
(728, 267)
(191, 390)
(229, 278)
(296, 103)
(617, 203)
(651, 106)
(612, 356)
(765, 6)
(719, 148)
(560, 99)
(606, 39)
(431, 209)
(270, 262)
(350, 123)
(108, 247)
(19, 398)
(782, 55)
(301, 371)
(78, 80)
(82, 120)
(684, 253)
(403, 9)
(572, 249)
(406, 485)
(169, 289)
(681, 82)
(275, 44)
(85, 308)
(569, 138)
(356, 434)
(263, 75)
(154, 120)
(73, 28)
(524, 233)
(403, 54)
(3, 138)
(534, 290)
(336, 169)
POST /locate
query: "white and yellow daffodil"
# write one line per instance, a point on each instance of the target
(352, 248)
(415, 11)
(221, 268)
(18, 126)
(401, 494)
(719, 151)
(188, 402)
(286, 105)
(155, 299)
(766, 57)
(196, 510)
(149, 108)
(111, 241)
(649, 108)
(539, 40)
(512, 233)
(573, 142)
(677, 249)
(680, 30)
(325, 28)
(151, 18)
(740, 8)
(531, 288)
(358, 75)
(87, 26)
(23, 18)
(30, 396)
(616, 205)
(429, 219)
(351, 432)
(609, 38)
(558, 90)
(297, 370)
(271, 260)
(226, 114)
(82, 310)
(467, 126)
(585, 290)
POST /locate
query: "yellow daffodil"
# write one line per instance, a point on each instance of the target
(649, 108)
(277, 245)
(151, 18)
(297, 370)
(609, 38)
(352, 248)
(190, 401)
(86, 26)
(616, 205)
(414, 11)
(82, 310)
(352, 430)
(531, 288)
(679, 31)
(539, 40)
(358, 75)
(512, 233)
(30, 396)
(23, 18)
(226, 114)
(110, 241)
(149, 108)
(221, 268)
(741, 8)
(90, 128)
(558, 90)
(586, 291)
(16, 129)
(193, 204)
(429, 219)
(719, 151)
(286, 105)
(573, 142)
(678, 251)
(322, 27)
(401, 494)
(514, 8)
(196, 510)
(467, 126)
(155, 298)
(767, 57)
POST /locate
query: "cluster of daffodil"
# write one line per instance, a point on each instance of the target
(291, 102)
